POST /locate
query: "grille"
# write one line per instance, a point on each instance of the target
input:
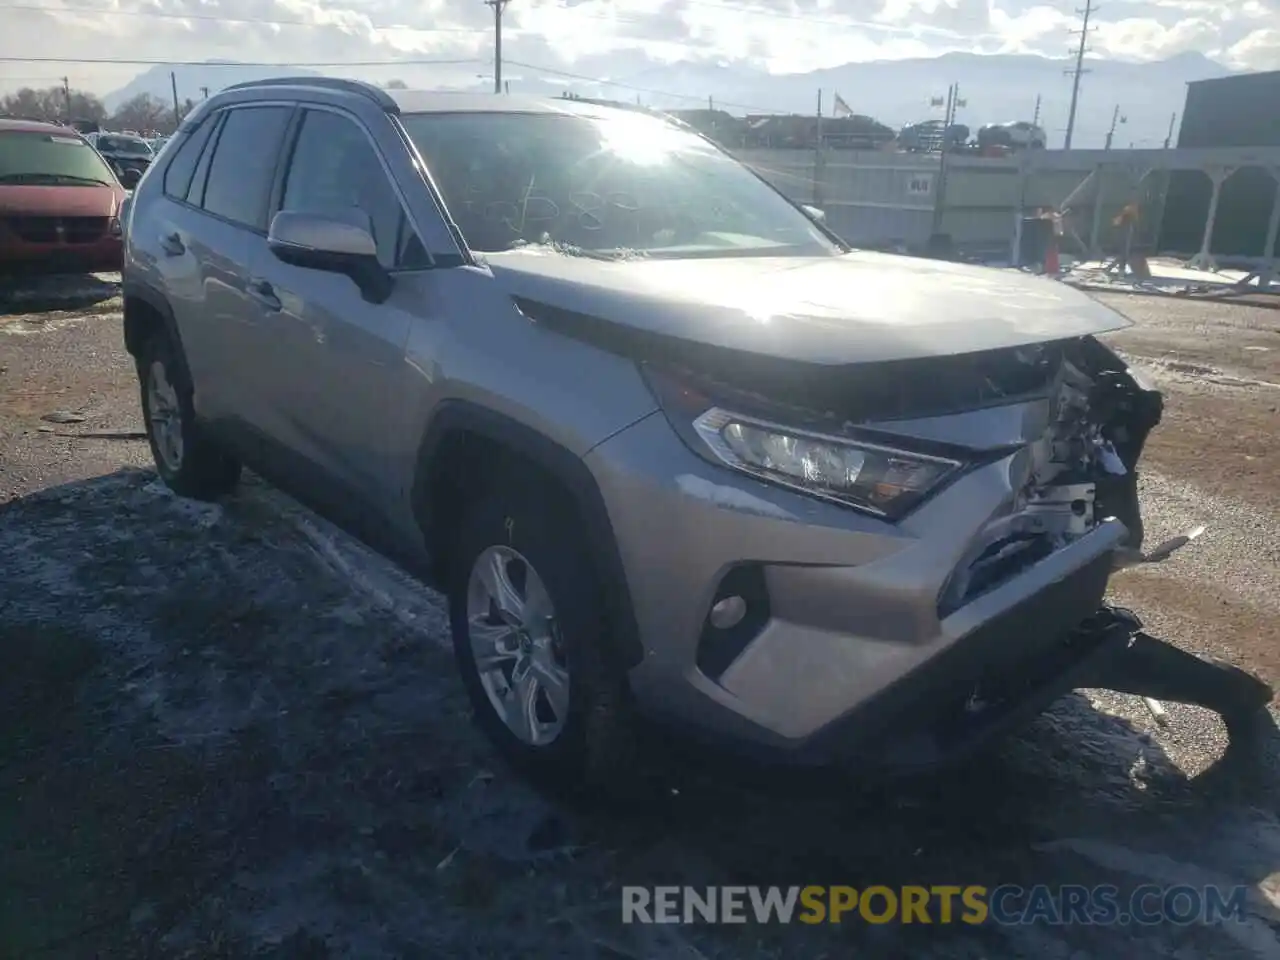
(59, 229)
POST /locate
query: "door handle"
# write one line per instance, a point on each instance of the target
(172, 245)
(264, 293)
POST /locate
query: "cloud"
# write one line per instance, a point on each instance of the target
(1260, 50)
(966, 17)
(1149, 39)
(615, 39)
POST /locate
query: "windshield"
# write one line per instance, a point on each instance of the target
(49, 158)
(614, 185)
(131, 146)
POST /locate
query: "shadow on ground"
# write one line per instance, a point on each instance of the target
(57, 293)
(221, 736)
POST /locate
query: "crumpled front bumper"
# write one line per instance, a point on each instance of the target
(854, 659)
(1108, 650)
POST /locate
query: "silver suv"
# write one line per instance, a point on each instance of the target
(670, 447)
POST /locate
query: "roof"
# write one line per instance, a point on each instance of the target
(426, 101)
(1258, 77)
(436, 101)
(17, 125)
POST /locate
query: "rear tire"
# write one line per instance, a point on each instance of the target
(188, 461)
(535, 544)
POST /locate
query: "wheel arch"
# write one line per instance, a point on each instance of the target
(446, 469)
(146, 310)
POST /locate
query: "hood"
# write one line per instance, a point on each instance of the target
(75, 201)
(855, 308)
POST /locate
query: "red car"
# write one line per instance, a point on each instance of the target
(59, 202)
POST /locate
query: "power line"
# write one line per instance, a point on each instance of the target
(215, 18)
(119, 61)
(1078, 70)
(736, 10)
(537, 68)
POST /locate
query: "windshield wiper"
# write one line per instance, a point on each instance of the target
(26, 177)
(48, 179)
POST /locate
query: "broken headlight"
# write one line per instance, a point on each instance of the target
(879, 479)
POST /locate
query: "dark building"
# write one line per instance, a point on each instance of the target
(1235, 111)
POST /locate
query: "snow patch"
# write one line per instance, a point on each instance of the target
(375, 579)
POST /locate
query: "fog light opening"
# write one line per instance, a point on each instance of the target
(738, 611)
(728, 613)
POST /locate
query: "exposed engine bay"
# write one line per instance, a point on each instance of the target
(1080, 471)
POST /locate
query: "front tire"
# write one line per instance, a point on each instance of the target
(188, 461)
(532, 643)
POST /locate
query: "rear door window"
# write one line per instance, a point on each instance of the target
(242, 171)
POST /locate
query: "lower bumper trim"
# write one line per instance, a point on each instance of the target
(1032, 645)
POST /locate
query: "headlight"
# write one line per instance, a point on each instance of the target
(869, 476)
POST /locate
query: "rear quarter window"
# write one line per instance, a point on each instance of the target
(178, 174)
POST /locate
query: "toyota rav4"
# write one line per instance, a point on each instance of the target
(671, 448)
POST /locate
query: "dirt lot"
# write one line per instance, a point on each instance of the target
(227, 731)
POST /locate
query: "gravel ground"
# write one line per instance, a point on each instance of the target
(228, 731)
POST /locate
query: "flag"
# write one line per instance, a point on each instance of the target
(938, 102)
(840, 108)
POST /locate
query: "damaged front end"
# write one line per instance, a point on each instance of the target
(1072, 420)
(1078, 468)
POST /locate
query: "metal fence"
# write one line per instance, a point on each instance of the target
(875, 198)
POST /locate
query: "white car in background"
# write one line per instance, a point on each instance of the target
(1017, 134)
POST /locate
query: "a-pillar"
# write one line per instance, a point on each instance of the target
(1099, 198)
(1204, 259)
(1273, 229)
(1024, 174)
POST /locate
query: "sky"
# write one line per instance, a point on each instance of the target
(617, 39)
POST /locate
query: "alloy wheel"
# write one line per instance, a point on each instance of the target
(516, 643)
(165, 416)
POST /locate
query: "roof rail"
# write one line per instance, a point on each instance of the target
(358, 87)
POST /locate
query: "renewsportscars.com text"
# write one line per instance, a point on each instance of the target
(973, 905)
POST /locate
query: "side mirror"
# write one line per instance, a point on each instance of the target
(815, 213)
(341, 243)
(129, 178)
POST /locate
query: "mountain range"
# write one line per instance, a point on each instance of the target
(993, 88)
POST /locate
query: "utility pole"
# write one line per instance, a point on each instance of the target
(66, 96)
(177, 115)
(498, 7)
(818, 172)
(1078, 70)
(954, 103)
(1035, 120)
(1173, 119)
(1115, 118)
